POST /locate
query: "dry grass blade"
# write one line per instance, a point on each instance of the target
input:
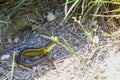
(116, 10)
(70, 10)
(12, 69)
(117, 15)
(100, 1)
(6, 76)
(66, 7)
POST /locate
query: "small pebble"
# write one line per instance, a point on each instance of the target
(36, 35)
(95, 22)
(5, 57)
(95, 39)
(16, 40)
(2, 70)
(9, 40)
(34, 27)
(50, 16)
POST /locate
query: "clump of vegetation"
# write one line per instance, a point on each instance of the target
(107, 11)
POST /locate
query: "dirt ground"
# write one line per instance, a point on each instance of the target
(102, 61)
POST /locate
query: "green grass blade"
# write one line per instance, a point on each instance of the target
(68, 48)
(14, 9)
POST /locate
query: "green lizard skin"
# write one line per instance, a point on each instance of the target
(38, 51)
(32, 52)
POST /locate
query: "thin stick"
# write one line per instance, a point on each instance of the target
(12, 69)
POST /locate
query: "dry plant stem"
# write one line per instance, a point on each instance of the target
(12, 69)
(106, 15)
(66, 7)
(6, 76)
(70, 10)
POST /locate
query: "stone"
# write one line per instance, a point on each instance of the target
(5, 57)
(50, 16)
